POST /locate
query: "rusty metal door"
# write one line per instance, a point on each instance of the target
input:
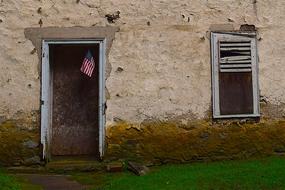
(75, 118)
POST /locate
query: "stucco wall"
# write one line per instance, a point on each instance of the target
(162, 47)
(162, 51)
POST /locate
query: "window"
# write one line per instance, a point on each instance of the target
(235, 89)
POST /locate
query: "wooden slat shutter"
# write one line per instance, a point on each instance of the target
(234, 75)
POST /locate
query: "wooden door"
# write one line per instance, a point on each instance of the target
(75, 121)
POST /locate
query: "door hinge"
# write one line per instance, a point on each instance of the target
(104, 108)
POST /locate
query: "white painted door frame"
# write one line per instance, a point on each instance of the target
(46, 92)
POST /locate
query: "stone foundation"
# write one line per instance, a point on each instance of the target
(162, 142)
(157, 142)
(20, 141)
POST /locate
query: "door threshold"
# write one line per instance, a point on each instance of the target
(74, 158)
(74, 163)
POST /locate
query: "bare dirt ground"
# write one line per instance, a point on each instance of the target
(53, 182)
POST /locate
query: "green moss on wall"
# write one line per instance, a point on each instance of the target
(160, 142)
(18, 145)
(157, 142)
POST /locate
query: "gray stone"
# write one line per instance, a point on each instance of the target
(114, 167)
(32, 160)
(204, 135)
(30, 144)
(137, 168)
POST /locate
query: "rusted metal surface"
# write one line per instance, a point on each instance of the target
(236, 96)
(75, 102)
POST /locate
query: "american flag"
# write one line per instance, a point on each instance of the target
(88, 64)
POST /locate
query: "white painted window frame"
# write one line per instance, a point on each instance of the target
(215, 38)
(46, 92)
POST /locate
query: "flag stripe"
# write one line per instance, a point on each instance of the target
(88, 64)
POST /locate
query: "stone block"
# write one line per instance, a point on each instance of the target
(30, 144)
(115, 167)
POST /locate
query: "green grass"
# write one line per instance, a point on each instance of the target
(8, 182)
(13, 182)
(267, 173)
(264, 174)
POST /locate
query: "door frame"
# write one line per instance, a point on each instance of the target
(47, 88)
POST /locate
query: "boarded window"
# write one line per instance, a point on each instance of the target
(234, 75)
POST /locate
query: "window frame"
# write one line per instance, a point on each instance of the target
(233, 36)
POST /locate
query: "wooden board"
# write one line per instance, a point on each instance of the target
(75, 129)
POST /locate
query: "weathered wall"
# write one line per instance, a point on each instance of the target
(19, 140)
(163, 142)
(159, 60)
(167, 64)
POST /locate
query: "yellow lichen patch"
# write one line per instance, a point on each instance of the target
(160, 142)
(18, 146)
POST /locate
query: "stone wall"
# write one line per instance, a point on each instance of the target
(163, 142)
(159, 61)
(19, 139)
